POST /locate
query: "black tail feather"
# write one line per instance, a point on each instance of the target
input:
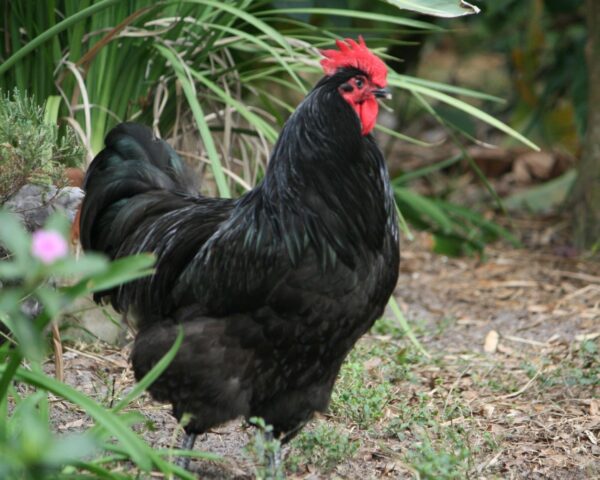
(133, 162)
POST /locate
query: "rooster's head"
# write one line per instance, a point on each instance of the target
(368, 82)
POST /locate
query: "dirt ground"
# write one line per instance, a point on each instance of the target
(509, 386)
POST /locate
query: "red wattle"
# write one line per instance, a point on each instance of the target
(367, 112)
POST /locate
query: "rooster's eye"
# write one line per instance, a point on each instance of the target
(359, 83)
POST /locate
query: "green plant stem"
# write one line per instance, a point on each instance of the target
(10, 371)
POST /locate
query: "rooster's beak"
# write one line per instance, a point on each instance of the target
(382, 93)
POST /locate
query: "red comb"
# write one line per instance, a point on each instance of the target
(357, 55)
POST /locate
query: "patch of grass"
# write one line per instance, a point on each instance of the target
(360, 396)
(496, 379)
(264, 449)
(388, 326)
(325, 446)
(445, 458)
(357, 398)
(422, 411)
(580, 368)
(444, 325)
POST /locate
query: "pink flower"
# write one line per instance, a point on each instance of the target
(48, 246)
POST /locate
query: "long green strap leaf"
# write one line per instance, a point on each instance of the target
(258, 24)
(51, 32)
(406, 327)
(465, 107)
(190, 94)
(139, 452)
(152, 375)
(377, 17)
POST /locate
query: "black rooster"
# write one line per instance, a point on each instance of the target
(272, 289)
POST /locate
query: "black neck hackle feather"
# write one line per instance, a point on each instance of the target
(272, 289)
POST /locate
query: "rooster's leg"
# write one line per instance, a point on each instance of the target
(188, 444)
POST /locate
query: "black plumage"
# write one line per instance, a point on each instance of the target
(272, 289)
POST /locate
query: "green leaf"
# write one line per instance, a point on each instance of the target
(10, 270)
(443, 87)
(68, 448)
(456, 103)
(260, 25)
(141, 453)
(86, 265)
(421, 172)
(182, 73)
(122, 271)
(545, 197)
(251, 117)
(437, 8)
(13, 236)
(376, 17)
(29, 340)
(480, 221)
(52, 300)
(51, 109)
(53, 31)
(452, 246)
(58, 222)
(425, 207)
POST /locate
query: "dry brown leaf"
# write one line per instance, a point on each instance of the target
(74, 424)
(488, 410)
(594, 407)
(591, 436)
(491, 342)
(521, 172)
(389, 467)
(587, 336)
(537, 308)
(470, 395)
(539, 164)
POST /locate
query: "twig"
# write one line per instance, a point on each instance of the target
(579, 276)
(522, 390)
(94, 357)
(59, 370)
(454, 385)
(525, 340)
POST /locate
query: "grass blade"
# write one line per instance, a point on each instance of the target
(465, 107)
(152, 375)
(141, 453)
(406, 327)
(376, 17)
(190, 93)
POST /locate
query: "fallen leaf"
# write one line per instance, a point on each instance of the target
(537, 308)
(540, 164)
(488, 410)
(491, 342)
(74, 424)
(594, 407)
(587, 336)
(591, 436)
(521, 172)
